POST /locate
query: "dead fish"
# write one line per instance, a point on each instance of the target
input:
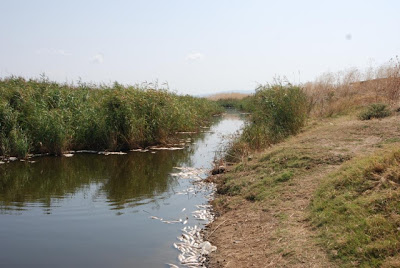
(172, 265)
(181, 258)
(139, 150)
(87, 151)
(111, 153)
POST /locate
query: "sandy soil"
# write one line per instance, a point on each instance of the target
(278, 233)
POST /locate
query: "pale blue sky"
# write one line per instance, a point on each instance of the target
(196, 46)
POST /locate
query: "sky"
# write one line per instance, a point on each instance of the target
(196, 46)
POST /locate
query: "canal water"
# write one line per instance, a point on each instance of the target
(96, 210)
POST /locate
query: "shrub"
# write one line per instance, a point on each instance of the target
(280, 111)
(375, 110)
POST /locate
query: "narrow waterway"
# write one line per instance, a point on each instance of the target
(96, 211)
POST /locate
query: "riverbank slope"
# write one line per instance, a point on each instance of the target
(263, 204)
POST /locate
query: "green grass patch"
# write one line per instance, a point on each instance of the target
(264, 177)
(357, 211)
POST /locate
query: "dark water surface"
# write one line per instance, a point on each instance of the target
(94, 210)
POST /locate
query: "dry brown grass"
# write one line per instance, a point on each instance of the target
(223, 96)
(337, 93)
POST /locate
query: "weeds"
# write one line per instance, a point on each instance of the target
(340, 93)
(43, 116)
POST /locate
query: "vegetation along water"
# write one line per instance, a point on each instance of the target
(92, 210)
(40, 116)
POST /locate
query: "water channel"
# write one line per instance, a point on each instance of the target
(95, 210)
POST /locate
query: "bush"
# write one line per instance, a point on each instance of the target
(280, 111)
(375, 110)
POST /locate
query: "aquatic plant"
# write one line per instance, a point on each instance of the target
(38, 115)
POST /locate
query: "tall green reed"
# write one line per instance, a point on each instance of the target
(47, 117)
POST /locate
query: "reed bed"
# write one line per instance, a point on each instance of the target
(278, 111)
(41, 116)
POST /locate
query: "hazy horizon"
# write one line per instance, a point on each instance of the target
(198, 48)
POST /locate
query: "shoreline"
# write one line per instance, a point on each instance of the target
(272, 227)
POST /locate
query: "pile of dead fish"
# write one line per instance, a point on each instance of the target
(193, 249)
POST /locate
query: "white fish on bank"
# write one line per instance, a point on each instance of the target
(166, 148)
(68, 155)
(139, 150)
(185, 132)
(172, 265)
(192, 247)
(87, 151)
(111, 153)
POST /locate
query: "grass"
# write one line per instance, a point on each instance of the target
(40, 116)
(263, 178)
(344, 92)
(356, 210)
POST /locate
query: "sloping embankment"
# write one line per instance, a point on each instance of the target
(264, 204)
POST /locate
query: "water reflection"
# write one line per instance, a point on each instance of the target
(84, 194)
(122, 179)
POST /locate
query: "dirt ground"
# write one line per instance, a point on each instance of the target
(278, 233)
